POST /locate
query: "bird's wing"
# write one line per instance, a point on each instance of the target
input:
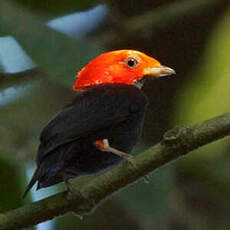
(93, 110)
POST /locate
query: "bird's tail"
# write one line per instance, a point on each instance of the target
(32, 182)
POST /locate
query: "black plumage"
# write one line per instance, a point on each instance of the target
(109, 111)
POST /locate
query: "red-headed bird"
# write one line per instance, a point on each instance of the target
(100, 127)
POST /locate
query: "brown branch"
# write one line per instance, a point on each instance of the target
(175, 143)
(12, 79)
(151, 22)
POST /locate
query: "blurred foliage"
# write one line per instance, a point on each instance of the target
(112, 215)
(57, 7)
(58, 55)
(191, 194)
(10, 185)
(29, 112)
(207, 93)
(141, 199)
(207, 96)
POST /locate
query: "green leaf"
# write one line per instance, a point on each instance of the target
(56, 54)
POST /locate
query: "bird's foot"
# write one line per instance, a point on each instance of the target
(72, 192)
(146, 179)
(129, 160)
(103, 145)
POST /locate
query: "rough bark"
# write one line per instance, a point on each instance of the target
(174, 144)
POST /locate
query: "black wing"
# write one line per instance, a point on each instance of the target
(95, 109)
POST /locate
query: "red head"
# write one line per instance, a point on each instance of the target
(121, 66)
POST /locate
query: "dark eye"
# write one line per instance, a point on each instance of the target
(131, 62)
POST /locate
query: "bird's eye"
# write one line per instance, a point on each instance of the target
(131, 62)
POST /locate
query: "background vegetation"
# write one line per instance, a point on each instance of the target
(190, 36)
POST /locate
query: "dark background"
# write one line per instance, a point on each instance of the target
(193, 37)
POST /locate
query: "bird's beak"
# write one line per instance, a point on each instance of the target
(159, 71)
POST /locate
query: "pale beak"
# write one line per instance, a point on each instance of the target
(159, 71)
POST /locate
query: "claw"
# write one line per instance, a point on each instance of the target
(72, 192)
(129, 160)
(103, 145)
(146, 179)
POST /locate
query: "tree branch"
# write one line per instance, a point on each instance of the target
(175, 143)
(151, 22)
(12, 79)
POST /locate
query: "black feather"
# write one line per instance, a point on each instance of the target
(110, 111)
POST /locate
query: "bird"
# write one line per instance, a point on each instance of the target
(102, 124)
